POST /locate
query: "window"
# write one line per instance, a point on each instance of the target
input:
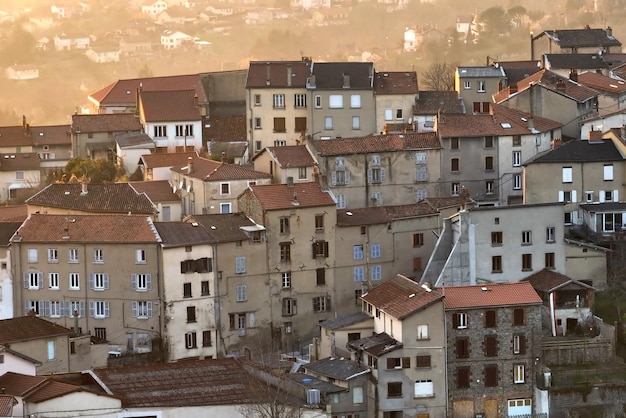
(496, 238)
(355, 101)
(357, 395)
(491, 345)
(357, 252)
(496, 264)
(300, 124)
(301, 173)
(257, 123)
(455, 189)
(376, 272)
(98, 256)
(388, 114)
(550, 261)
(518, 373)
(335, 101)
(285, 251)
(489, 187)
(258, 145)
(422, 361)
(418, 240)
(184, 130)
(186, 290)
(204, 288)
(257, 100)
(550, 234)
(74, 281)
(462, 347)
(100, 333)
(340, 177)
(141, 282)
(320, 304)
(278, 101)
(328, 122)
(589, 196)
(519, 344)
(319, 222)
(459, 320)
(200, 265)
(279, 125)
(424, 388)
(286, 279)
(33, 280)
(99, 309)
(51, 350)
(241, 320)
(206, 339)
(225, 208)
(32, 255)
(517, 182)
(53, 309)
(467, 85)
(394, 389)
(240, 265)
(283, 224)
(527, 262)
(518, 316)
(376, 175)
(53, 255)
(191, 314)
(318, 101)
(320, 249)
(608, 172)
(357, 300)
(99, 281)
(142, 309)
(454, 143)
(489, 142)
(358, 274)
(356, 122)
(299, 101)
(567, 218)
(481, 87)
(190, 340)
(517, 140)
(289, 307)
(490, 319)
(140, 256)
(399, 114)
(160, 131)
(517, 158)
(422, 332)
(567, 174)
(463, 377)
(421, 173)
(491, 375)
(375, 250)
(224, 188)
(242, 293)
(454, 164)
(320, 274)
(527, 238)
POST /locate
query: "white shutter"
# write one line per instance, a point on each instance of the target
(149, 308)
(574, 218)
(107, 309)
(135, 309)
(251, 320)
(91, 308)
(602, 197)
(382, 175)
(574, 196)
(347, 177)
(561, 197)
(133, 281)
(92, 280)
(106, 280)
(615, 195)
(149, 281)
(333, 178)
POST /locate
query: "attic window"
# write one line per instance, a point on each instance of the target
(505, 125)
(127, 91)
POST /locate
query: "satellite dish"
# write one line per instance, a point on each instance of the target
(410, 121)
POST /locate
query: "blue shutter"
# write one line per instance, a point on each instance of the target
(107, 310)
(135, 308)
(133, 281)
(149, 281)
(149, 309)
(92, 280)
(106, 280)
(91, 308)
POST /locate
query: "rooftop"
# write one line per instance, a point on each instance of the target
(490, 295)
(283, 196)
(377, 143)
(25, 328)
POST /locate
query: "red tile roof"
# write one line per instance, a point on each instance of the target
(51, 135)
(480, 296)
(602, 82)
(14, 136)
(117, 122)
(377, 143)
(87, 228)
(226, 128)
(383, 214)
(169, 106)
(123, 92)
(277, 71)
(551, 81)
(547, 280)
(401, 297)
(157, 191)
(292, 156)
(396, 82)
(282, 196)
(16, 213)
(17, 384)
(7, 402)
(184, 383)
(19, 161)
(210, 170)
(166, 160)
(26, 328)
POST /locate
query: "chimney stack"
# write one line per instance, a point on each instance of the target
(609, 31)
(289, 75)
(189, 165)
(573, 75)
(83, 188)
(346, 81)
(267, 75)
(223, 158)
(595, 136)
(556, 142)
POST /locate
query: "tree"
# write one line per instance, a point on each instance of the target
(495, 20)
(145, 72)
(439, 76)
(85, 169)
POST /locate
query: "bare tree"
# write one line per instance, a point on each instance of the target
(439, 76)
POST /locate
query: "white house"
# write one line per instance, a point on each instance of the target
(174, 39)
(153, 8)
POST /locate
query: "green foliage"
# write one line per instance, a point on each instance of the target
(495, 20)
(85, 169)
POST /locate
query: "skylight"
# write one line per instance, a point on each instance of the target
(505, 125)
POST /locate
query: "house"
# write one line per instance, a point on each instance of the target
(552, 96)
(612, 93)
(336, 333)
(129, 147)
(235, 152)
(476, 85)
(278, 104)
(153, 8)
(298, 222)
(22, 72)
(53, 145)
(98, 273)
(14, 361)
(575, 41)
(429, 104)
(395, 93)
(92, 135)
(161, 194)
(217, 184)
(136, 44)
(7, 229)
(609, 120)
(90, 199)
(587, 263)
(358, 170)
(189, 291)
(493, 337)
(288, 164)
(467, 255)
(103, 53)
(17, 172)
(570, 65)
(414, 37)
(466, 27)
(518, 70)
(157, 166)
(406, 355)
(175, 39)
(16, 138)
(71, 41)
(172, 118)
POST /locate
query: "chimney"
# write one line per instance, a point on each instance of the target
(513, 88)
(290, 184)
(310, 82)
(595, 136)
(333, 346)
(573, 75)
(560, 85)
(556, 142)
(267, 75)
(531, 123)
(289, 75)
(189, 165)
(24, 121)
(609, 32)
(346, 81)
(223, 158)
(76, 322)
(83, 188)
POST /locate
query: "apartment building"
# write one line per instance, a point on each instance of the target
(476, 85)
(395, 94)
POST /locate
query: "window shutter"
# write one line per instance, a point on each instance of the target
(40, 280)
(135, 309)
(347, 177)
(149, 281)
(313, 250)
(106, 280)
(107, 309)
(25, 280)
(333, 178)
(47, 308)
(133, 281)
(615, 195)
(406, 362)
(27, 307)
(327, 304)
(149, 308)
(91, 308)
(369, 175)
(602, 197)
(92, 280)
(325, 248)
(574, 199)
(561, 196)
(522, 344)
(382, 174)
(251, 320)
(391, 362)
(66, 307)
(455, 320)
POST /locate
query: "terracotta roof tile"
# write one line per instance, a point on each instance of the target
(282, 196)
(448, 202)
(292, 156)
(224, 227)
(182, 234)
(184, 383)
(14, 136)
(383, 214)
(157, 190)
(17, 384)
(87, 228)
(26, 328)
(396, 82)
(100, 198)
(123, 92)
(169, 106)
(166, 160)
(15, 213)
(258, 72)
(118, 122)
(401, 297)
(7, 402)
(210, 170)
(19, 161)
(505, 294)
(50, 390)
(551, 81)
(504, 114)
(547, 280)
(377, 143)
(226, 128)
(7, 229)
(602, 82)
(51, 135)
